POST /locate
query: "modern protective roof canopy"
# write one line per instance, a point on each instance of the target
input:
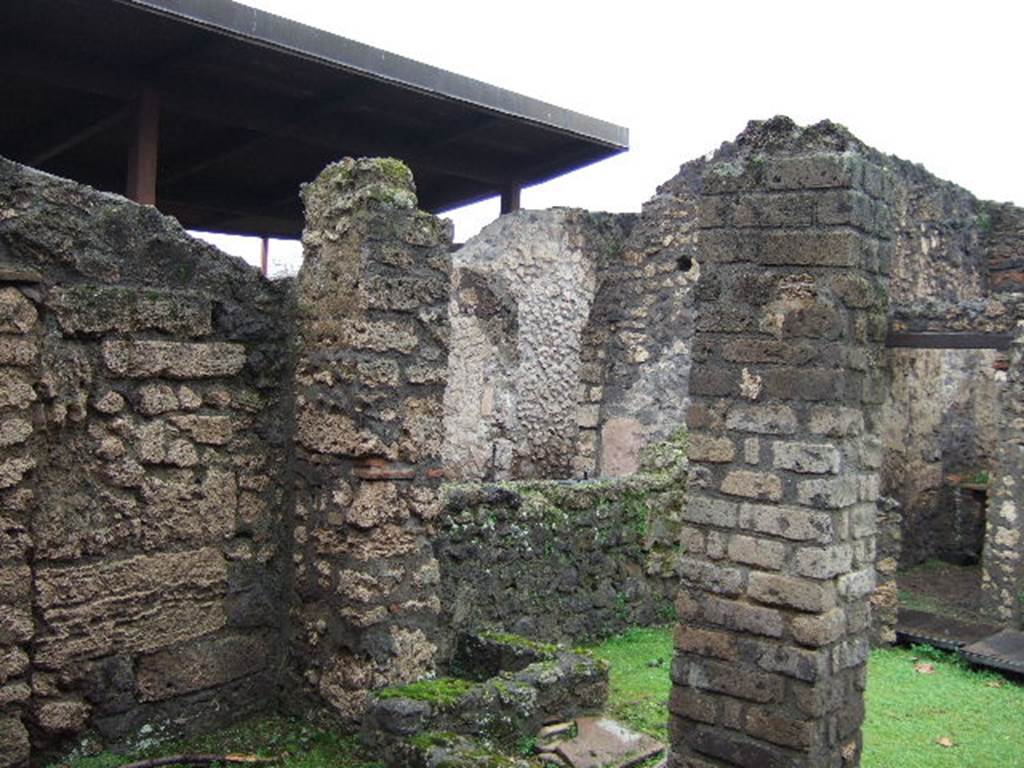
(217, 112)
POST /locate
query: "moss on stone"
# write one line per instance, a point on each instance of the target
(518, 641)
(429, 739)
(443, 691)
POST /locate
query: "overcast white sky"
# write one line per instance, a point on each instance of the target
(937, 83)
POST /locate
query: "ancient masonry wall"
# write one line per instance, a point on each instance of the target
(372, 342)
(1003, 564)
(524, 389)
(563, 562)
(787, 382)
(141, 465)
(570, 340)
(942, 411)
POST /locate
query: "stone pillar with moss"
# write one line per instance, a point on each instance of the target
(787, 380)
(372, 353)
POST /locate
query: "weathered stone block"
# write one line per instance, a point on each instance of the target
(138, 604)
(852, 653)
(16, 625)
(336, 433)
(723, 247)
(818, 171)
(795, 523)
(829, 493)
(208, 430)
(762, 419)
(693, 704)
(806, 458)
(823, 562)
(836, 421)
(17, 351)
(173, 359)
(711, 577)
(763, 553)
(13, 662)
(734, 749)
(793, 662)
(752, 485)
(714, 382)
(819, 630)
(767, 724)
(703, 447)
(810, 384)
(203, 664)
(154, 399)
(13, 470)
(775, 210)
(804, 595)
(104, 308)
(704, 510)
(734, 680)
(17, 314)
(62, 715)
(15, 389)
(823, 249)
(15, 584)
(743, 617)
(14, 742)
(706, 642)
(858, 584)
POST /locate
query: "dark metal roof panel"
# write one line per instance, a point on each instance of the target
(268, 29)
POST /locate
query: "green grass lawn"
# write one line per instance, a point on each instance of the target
(980, 713)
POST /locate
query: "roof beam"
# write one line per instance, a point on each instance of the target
(80, 136)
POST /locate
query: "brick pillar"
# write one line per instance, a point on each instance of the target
(787, 384)
(372, 339)
(1003, 558)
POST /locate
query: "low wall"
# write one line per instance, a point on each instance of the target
(561, 561)
(142, 460)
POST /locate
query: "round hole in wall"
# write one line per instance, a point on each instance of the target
(684, 263)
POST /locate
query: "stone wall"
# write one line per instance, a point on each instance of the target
(372, 342)
(570, 340)
(1003, 565)
(563, 561)
(142, 457)
(794, 248)
(525, 381)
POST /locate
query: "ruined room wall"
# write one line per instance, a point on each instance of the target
(794, 245)
(141, 387)
(643, 318)
(942, 411)
(372, 350)
(524, 386)
(570, 340)
(563, 561)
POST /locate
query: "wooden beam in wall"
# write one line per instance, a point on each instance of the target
(142, 157)
(947, 340)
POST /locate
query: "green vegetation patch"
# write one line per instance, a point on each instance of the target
(296, 743)
(443, 691)
(638, 679)
(920, 699)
